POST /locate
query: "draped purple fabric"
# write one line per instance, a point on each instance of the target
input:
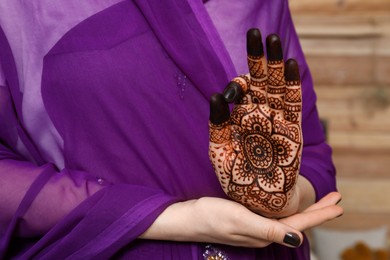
(104, 121)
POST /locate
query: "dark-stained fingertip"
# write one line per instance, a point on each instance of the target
(254, 45)
(219, 109)
(233, 92)
(292, 70)
(274, 48)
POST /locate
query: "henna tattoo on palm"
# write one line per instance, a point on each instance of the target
(256, 150)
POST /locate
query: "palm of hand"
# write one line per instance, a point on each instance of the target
(256, 152)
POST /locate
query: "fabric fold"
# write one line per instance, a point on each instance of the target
(194, 47)
(102, 224)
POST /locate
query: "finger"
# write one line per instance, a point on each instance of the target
(257, 66)
(232, 223)
(309, 219)
(276, 83)
(332, 198)
(293, 96)
(219, 125)
(219, 110)
(278, 232)
(236, 89)
(220, 150)
(265, 229)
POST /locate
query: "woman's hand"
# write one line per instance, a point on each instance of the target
(216, 220)
(256, 150)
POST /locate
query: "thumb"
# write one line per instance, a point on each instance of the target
(219, 109)
(281, 233)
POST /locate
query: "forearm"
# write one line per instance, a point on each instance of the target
(13, 186)
(58, 196)
(172, 223)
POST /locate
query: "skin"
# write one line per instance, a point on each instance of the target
(222, 221)
(216, 220)
(256, 150)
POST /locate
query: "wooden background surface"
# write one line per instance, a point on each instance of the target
(347, 45)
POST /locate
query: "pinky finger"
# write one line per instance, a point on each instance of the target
(293, 97)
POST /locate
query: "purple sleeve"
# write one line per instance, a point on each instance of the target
(20, 174)
(317, 165)
(111, 217)
(34, 197)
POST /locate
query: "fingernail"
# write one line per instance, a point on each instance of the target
(338, 201)
(292, 239)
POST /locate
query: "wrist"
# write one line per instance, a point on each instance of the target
(174, 223)
(305, 193)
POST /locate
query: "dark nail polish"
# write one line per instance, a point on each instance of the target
(292, 239)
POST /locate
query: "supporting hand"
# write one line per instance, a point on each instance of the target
(221, 221)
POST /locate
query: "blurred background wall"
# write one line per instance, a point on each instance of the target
(347, 46)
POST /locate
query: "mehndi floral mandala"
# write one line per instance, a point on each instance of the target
(256, 151)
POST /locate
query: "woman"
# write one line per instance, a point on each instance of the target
(104, 133)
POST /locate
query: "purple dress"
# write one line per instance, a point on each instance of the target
(104, 121)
